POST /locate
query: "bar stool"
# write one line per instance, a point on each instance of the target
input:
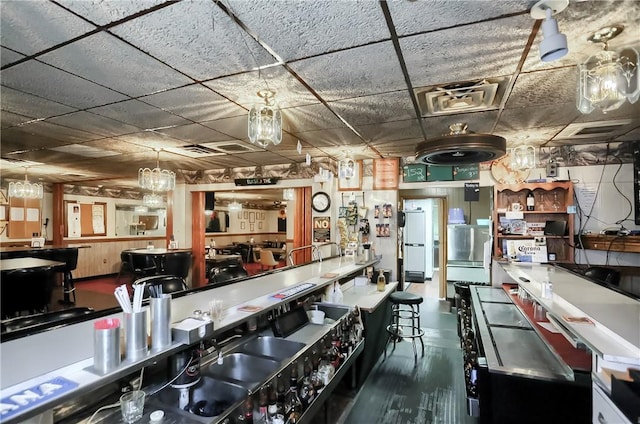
(405, 313)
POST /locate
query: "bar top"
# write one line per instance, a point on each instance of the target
(616, 318)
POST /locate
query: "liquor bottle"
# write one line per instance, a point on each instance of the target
(307, 391)
(263, 403)
(531, 201)
(248, 411)
(293, 377)
(382, 282)
(292, 405)
(334, 351)
(325, 369)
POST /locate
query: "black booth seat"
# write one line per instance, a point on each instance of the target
(178, 264)
(226, 273)
(169, 284)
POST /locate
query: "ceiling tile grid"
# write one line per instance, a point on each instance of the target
(9, 56)
(375, 109)
(544, 88)
(103, 12)
(30, 105)
(139, 114)
(96, 124)
(197, 38)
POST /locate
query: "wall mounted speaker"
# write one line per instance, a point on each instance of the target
(401, 219)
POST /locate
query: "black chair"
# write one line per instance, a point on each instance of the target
(227, 273)
(169, 283)
(603, 274)
(26, 289)
(141, 265)
(38, 320)
(178, 264)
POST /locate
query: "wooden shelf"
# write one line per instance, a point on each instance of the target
(629, 244)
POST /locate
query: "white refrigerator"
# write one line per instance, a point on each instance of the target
(418, 245)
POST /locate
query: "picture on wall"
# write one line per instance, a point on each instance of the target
(259, 225)
(252, 217)
(252, 227)
(243, 225)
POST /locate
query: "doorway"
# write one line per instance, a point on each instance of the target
(423, 244)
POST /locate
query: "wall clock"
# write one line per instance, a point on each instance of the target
(502, 172)
(321, 202)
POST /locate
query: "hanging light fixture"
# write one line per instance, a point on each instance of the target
(523, 157)
(156, 179)
(347, 167)
(265, 121)
(235, 206)
(288, 194)
(25, 189)
(607, 79)
(152, 200)
(554, 44)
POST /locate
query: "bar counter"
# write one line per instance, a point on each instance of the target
(69, 349)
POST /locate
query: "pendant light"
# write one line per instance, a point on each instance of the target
(235, 206)
(523, 158)
(156, 179)
(152, 200)
(608, 79)
(25, 189)
(265, 121)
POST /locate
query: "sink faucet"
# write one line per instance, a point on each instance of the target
(217, 346)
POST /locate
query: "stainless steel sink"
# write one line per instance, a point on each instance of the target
(246, 370)
(272, 347)
(208, 398)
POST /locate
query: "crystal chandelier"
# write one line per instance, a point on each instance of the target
(235, 206)
(25, 189)
(523, 157)
(265, 121)
(152, 200)
(156, 179)
(607, 79)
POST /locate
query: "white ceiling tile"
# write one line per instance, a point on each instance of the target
(139, 114)
(103, 56)
(103, 12)
(633, 135)
(32, 26)
(18, 138)
(53, 84)
(197, 38)
(538, 116)
(395, 106)
(396, 130)
(9, 56)
(193, 133)
(329, 137)
(356, 72)
(532, 137)
(235, 127)
(97, 124)
(488, 49)
(551, 87)
(28, 105)
(59, 132)
(243, 88)
(295, 29)
(9, 119)
(477, 122)
(410, 17)
(627, 110)
(195, 102)
(308, 118)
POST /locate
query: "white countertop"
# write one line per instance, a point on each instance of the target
(615, 334)
(366, 297)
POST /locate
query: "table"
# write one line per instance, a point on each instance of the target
(27, 284)
(278, 253)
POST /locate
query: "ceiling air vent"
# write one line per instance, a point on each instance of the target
(599, 129)
(457, 97)
(461, 147)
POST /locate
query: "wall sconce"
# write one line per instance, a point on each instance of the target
(607, 79)
(554, 44)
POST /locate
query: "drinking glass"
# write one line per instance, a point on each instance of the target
(541, 200)
(132, 406)
(216, 308)
(556, 203)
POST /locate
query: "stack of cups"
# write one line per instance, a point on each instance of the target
(160, 322)
(106, 345)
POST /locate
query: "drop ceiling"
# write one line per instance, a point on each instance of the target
(89, 88)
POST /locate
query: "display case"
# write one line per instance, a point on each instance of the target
(550, 218)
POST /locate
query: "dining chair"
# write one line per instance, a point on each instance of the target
(267, 259)
(256, 255)
(227, 273)
(142, 265)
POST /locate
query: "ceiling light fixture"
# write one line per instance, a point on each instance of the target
(607, 79)
(156, 179)
(554, 44)
(265, 121)
(347, 167)
(288, 194)
(235, 206)
(152, 200)
(25, 189)
(523, 157)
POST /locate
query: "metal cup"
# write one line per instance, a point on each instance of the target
(160, 322)
(106, 345)
(135, 335)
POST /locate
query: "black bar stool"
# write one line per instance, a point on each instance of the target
(405, 313)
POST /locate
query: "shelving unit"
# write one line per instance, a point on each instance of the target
(551, 202)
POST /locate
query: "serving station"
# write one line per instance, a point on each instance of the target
(69, 389)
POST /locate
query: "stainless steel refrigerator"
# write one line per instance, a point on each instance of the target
(418, 245)
(465, 252)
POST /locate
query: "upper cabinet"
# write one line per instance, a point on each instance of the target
(531, 211)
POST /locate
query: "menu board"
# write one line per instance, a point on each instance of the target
(414, 173)
(466, 172)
